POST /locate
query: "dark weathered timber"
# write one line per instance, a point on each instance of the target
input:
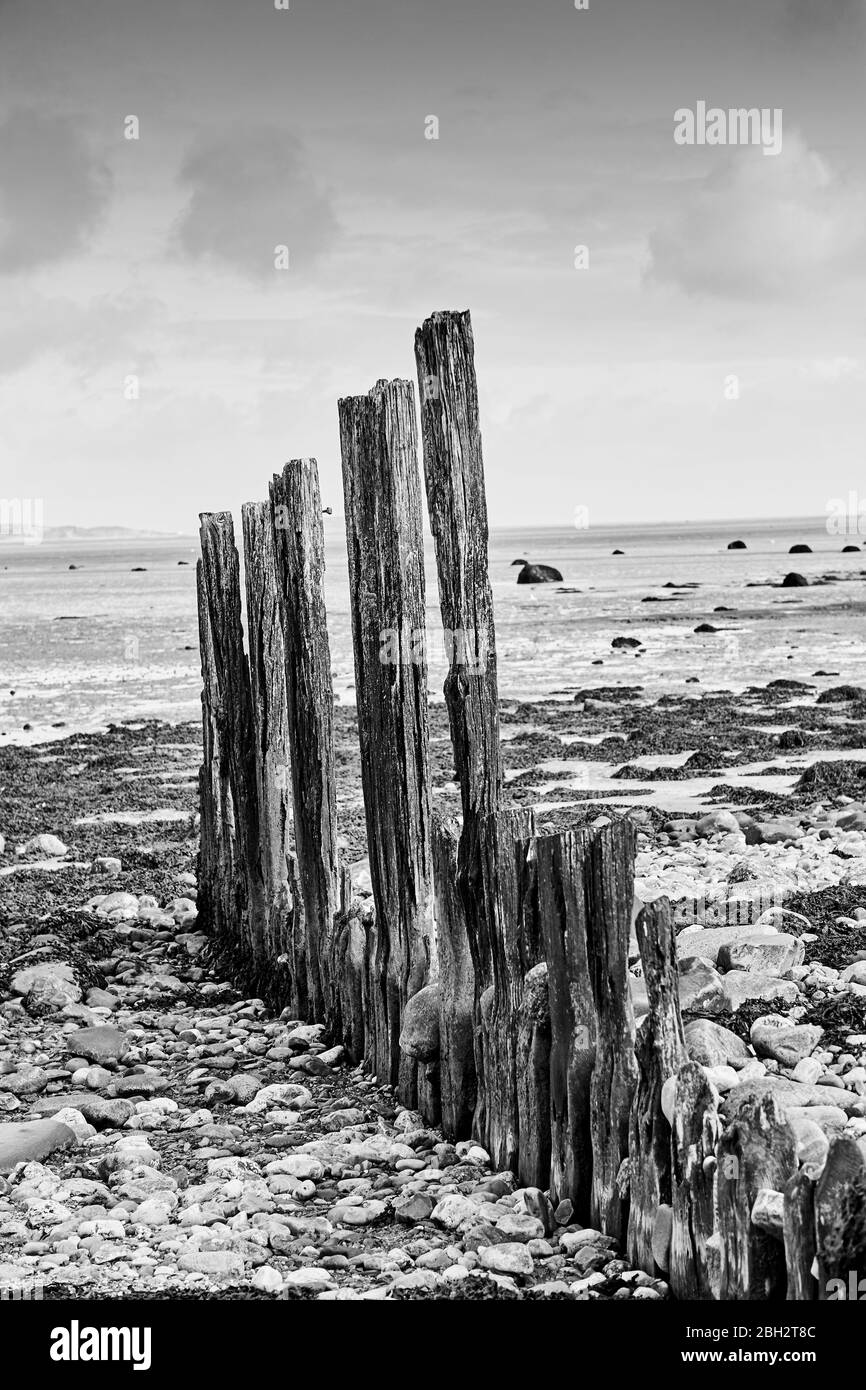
(350, 952)
(661, 1051)
(457, 505)
(300, 564)
(218, 855)
(609, 889)
(378, 437)
(756, 1149)
(457, 1076)
(840, 1218)
(573, 1025)
(234, 721)
(501, 958)
(533, 1080)
(695, 1129)
(285, 936)
(798, 1226)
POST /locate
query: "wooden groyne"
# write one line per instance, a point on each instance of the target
(488, 979)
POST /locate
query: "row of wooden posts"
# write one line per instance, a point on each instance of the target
(517, 942)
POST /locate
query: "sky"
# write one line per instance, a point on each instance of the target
(155, 361)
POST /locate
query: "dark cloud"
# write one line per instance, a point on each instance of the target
(53, 191)
(251, 191)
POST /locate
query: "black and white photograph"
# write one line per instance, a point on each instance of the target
(432, 681)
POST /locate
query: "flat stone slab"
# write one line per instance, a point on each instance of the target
(143, 1085)
(708, 941)
(31, 1140)
(54, 970)
(99, 1044)
(793, 1094)
(46, 1106)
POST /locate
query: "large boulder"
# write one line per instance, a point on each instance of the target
(791, 1095)
(712, 1045)
(538, 574)
(785, 1042)
(757, 952)
(31, 1141)
(776, 831)
(47, 987)
(27, 1081)
(708, 942)
(419, 1037)
(743, 986)
(44, 847)
(794, 581)
(701, 988)
(716, 823)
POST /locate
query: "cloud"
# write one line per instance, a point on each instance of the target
(251, 191)
(53, 191)
(760, 227)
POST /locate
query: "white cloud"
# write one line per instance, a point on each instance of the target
(758, 227)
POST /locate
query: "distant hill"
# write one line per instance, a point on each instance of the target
(109, 533)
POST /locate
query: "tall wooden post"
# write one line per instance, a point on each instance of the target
(285, 930)
(457, 506)
(300, 559)
(228, 712)
(378, 436)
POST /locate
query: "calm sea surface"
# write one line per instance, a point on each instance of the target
(98, 643)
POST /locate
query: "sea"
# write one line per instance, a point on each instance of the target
(93, 633)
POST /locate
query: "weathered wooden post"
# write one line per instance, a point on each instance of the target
(573, 1022)
(228, 714)
(379, 442)
(609, 889)
(457, 505)
(756, 1150)
(456, 502)
(217, 866)
(840, 1220)
(457, 1078)
(503, 957)
(661, 1051)
(285, 929)
(696, 1127)
(799, 1237)
(300, 563)
(585, 894)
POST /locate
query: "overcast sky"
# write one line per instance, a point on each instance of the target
(604, 387)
